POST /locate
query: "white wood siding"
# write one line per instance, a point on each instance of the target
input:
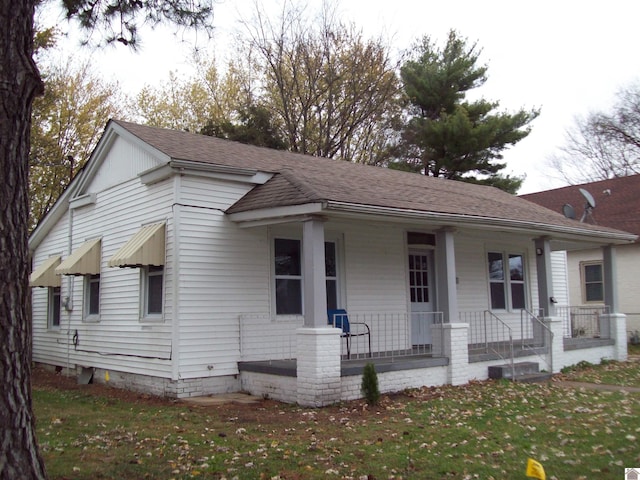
(471, 266)
(123, 162)
(375, 268)
(560, 277)
(49, 345)
(224, 274)
(119, 340)
(627, 266)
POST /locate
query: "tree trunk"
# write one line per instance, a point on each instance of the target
(19, 83)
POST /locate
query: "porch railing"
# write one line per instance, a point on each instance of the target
(584, 321)
(537, 337)
(488, 334)
(262, 338)
(393, 335)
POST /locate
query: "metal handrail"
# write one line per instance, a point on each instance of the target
(549, 334)
(490, 345)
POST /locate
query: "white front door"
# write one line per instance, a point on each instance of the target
(421, 290)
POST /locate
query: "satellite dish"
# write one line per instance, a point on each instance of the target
(569, 211)
(591, 203)
(589, 206)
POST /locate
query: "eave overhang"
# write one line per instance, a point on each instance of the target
(568, 234)
(201, 169)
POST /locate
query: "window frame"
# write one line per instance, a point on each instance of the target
(52, 293)
(583, 281)
(88, 315)
(147, 272)
(337, 279)
(507, 281)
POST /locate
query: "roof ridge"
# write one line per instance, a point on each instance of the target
(303, 187)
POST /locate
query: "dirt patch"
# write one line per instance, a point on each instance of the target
(46, 378)
(264, 410)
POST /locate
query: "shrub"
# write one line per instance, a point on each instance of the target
(369, 386)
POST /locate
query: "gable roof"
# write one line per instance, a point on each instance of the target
(617, 202)
(339, 185)
(302, 183)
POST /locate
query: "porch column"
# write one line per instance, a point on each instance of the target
(318, 366)
(545, 278)
(610, 278)
(554, 340)
(451, 340)
(446, 274)
(314, 275)
(318, 343)
(616, 322)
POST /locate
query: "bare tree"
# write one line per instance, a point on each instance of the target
(603, 144)
(332, 90)
(66, 124)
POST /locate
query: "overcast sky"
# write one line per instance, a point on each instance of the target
(565, 57)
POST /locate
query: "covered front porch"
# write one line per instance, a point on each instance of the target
(459, 352)
(302, 357)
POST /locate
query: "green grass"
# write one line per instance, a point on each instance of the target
(608, 372)
(482, 430)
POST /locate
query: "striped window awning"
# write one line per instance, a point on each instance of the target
(85, 260)
(145, 248)
(45, 274)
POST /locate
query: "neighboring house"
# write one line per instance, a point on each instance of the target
(617, 205)
(185, 265)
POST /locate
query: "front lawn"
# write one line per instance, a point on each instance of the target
(482, 430)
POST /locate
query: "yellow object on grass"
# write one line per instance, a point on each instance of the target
(535, 470)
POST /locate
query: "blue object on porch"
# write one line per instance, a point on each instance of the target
(340, 319)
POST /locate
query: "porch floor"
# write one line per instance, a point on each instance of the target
(288, 368)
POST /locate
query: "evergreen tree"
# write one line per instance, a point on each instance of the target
(447, 135)
(369, 386)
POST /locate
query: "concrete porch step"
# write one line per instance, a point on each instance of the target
(534, 377)
(520, 369)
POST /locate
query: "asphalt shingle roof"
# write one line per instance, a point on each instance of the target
(301, 179)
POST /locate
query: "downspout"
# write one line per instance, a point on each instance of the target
(68, 301)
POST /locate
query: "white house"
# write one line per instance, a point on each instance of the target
(185, 265)
(617, 205)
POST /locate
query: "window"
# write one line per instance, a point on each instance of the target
(506, 281)
(592, 282)
(288, 275)
(152, 283)
(92, 296)
(53, 314)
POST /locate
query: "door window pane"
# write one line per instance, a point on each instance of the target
(419, 278)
